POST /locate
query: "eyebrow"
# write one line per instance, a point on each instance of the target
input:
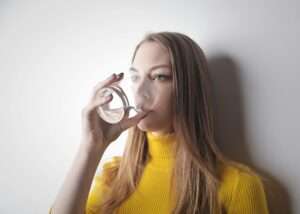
(151, 69)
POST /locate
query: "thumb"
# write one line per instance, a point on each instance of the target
(127, 123)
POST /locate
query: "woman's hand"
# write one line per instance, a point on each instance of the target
(97, 133)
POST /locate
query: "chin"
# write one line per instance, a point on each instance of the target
(145, 126)
(149, 125)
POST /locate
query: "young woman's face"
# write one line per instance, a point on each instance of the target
(151, 77)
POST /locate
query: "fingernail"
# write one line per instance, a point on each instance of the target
(106, 93)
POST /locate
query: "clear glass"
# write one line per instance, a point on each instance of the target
(122, 101)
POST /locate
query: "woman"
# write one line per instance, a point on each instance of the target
(171, 163)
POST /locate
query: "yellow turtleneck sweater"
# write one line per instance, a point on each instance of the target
(240, 192)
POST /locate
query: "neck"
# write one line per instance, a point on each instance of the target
(161, 145)
(162, 133)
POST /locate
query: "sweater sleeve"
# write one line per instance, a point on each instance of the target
(248, 195)
(99, 187)
(95, 195)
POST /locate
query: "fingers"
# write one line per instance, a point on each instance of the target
(108, 81)
(127, 123)
(99, 102)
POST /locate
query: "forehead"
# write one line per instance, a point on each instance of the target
(149, 54)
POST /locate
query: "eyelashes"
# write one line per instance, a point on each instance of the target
(162, 77)
(159, 77)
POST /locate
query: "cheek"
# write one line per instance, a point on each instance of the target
(163, 109)
(163, 103)
(159, 118)
(156, 119)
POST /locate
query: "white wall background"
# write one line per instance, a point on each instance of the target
(53, 52)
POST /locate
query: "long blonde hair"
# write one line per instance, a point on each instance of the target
(195, 173)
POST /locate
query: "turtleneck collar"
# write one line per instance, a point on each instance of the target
(160, 146)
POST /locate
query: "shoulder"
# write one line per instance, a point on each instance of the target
(241, 186)
(237, 171)
(112, 162)
(235, 175)
(108, 166)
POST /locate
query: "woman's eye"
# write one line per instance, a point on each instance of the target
(133, 78)
(161, 77)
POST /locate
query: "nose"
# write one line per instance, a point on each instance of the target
(142, 95)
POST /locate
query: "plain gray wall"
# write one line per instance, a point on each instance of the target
(53, 52)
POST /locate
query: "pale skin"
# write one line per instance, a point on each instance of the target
(152, 64)
(97, 134)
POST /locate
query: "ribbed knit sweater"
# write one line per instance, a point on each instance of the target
(240, 191)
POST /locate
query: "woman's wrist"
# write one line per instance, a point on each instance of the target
(92, 148)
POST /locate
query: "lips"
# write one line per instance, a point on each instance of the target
(141, 109)
(146, 113)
